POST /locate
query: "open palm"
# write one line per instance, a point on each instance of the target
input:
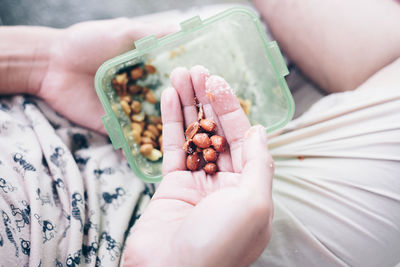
(195, 219)
(75, 56)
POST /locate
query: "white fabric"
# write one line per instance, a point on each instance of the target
(337, 182)
(61, 188)
(336, 189)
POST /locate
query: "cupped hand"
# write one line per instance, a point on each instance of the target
(195, 219)
(75, 56)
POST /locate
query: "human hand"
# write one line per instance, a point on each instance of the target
(195, 219)
(75, 56)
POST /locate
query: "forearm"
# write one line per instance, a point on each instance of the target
(24, 58)
(339, 44)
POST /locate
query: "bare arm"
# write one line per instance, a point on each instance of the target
(339, 44)
(59, 65)
(24, 58)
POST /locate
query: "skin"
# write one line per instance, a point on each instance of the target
(187, 218)
(186, 221)
(58, 65)
(338, 44)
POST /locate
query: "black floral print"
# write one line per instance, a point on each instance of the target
(58, 182)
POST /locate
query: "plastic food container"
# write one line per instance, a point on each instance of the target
(232, 44)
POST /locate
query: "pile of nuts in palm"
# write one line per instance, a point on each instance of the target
(202, 145)
(146, 129)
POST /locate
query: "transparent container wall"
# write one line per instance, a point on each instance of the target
(230, 46)
(148, 168)
(233, 49)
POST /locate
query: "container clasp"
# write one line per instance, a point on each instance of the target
(146, 42)
(191, 23)
(278, 58)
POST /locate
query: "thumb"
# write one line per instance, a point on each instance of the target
(137, 28)
(258, 164)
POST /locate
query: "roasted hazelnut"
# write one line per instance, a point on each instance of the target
(189, 146)
(125, 106)
(218, 142)
(136, 107)
(210, 155)
(116, 86)
(208, 125)
(149, 134)
(119, 83)
(134, 88)
(146, 149)
(137, 73)
(121, 78)
(150, 97)
(142, 124)
(138, 117)
(136, 127)
(137, 136)
(193, 162)
(159, 127)
(147, 140)
(149, 69)
(154, 119)
(210, 168)
(145, 90)
(153, 129)
(201, 140)
(126, 98)
(192, 129)
(154, 155)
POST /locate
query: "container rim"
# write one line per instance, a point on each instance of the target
(107, 65)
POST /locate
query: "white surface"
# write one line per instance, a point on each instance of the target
(337, 180)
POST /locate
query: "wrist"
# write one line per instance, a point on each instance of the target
(24, 58)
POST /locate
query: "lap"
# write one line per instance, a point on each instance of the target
(337, 182)
(61, 187)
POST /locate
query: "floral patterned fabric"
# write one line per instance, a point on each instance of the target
(65, 194)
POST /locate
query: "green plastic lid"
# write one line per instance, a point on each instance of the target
(232, 44)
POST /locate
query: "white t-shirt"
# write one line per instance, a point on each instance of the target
(336, 188)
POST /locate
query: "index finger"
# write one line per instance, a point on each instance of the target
(199, 77)
(173, 138)
(233, 120)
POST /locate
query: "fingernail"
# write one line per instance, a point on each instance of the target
(258, 131)
(166, 98)
(202, 70)
(217, 87)
(167, 91)
(250, 132)
(178, 71)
